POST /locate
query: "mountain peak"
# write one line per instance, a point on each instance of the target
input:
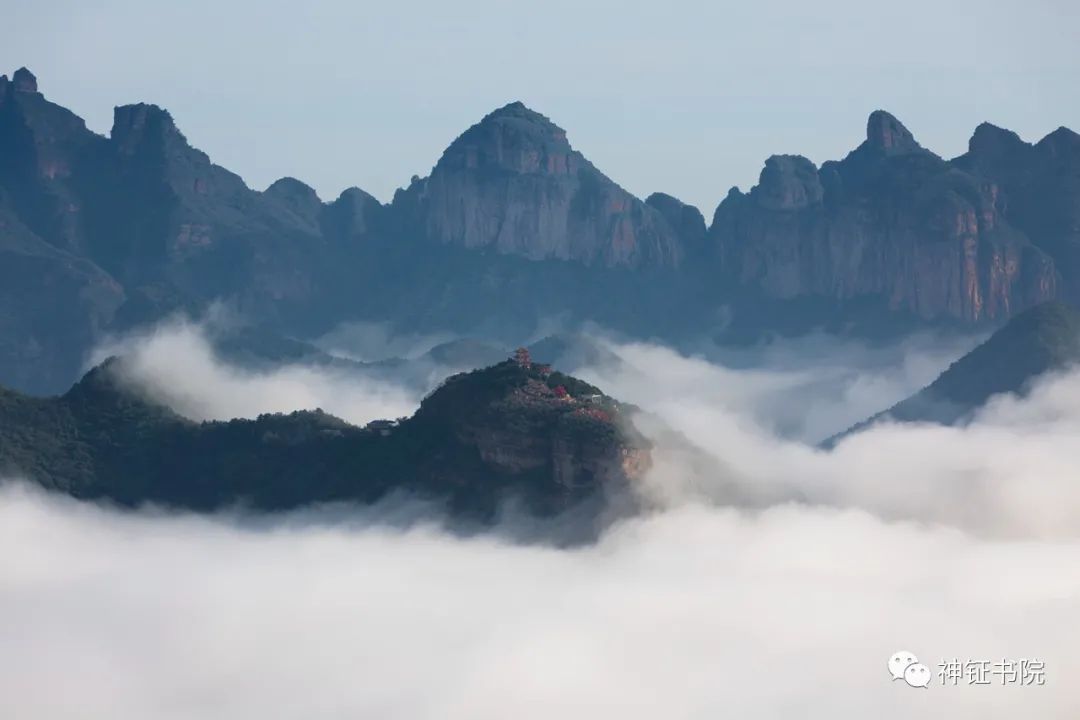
(886, 133)
(514, 138)
(291, 188)
(1041, 339)
(297, 196)
(513, 182)
(989, 138)
(133, 123)
(788, 182)
(1061, 139)
(355, 195)
(24, 81)
(515, 108)
(519, 111)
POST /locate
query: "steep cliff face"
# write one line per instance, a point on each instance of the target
(47, 153)
(106, 232)
(891, 220)
(53, 300)
(528, 422)
(196, 228)
(686, 220)
(512, 182)
(1038, 189)
(53, 305)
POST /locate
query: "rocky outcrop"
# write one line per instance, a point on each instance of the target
(300, 200)
(354, 214)
(1037, 188)
(686, 220)
(513, 183)
(888, 136)
(891, 221)
(24, 81)
(526, 421)
(508, 432)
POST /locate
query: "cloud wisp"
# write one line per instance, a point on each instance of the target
(175, 364)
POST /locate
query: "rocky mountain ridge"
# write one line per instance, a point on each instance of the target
(514, 227)
(1040, 340)
(890, 220)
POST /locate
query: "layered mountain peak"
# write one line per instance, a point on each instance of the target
(513, 182)
(512, 138)
(887, 134)
(24, 81)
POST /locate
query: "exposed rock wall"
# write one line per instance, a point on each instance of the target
(891, 220)
(513, 183)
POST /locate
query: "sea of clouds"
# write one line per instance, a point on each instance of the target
(772, 579)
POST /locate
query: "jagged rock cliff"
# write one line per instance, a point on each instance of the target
(891, 220)
(512, 228)
(513, 183)
(1037, 188)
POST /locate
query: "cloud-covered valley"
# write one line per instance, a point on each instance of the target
(771, 579)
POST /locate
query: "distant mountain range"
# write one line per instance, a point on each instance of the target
(515, 431)
(513, 226)
(1042, 339)
(255, 349)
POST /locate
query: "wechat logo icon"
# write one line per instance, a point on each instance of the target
(905, 666)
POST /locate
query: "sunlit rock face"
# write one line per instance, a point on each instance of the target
(513, 183)
(890, 220)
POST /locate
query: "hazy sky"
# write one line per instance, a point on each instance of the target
(687, 97)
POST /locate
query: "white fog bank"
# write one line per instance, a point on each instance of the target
(773, 580)
(696, 612)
